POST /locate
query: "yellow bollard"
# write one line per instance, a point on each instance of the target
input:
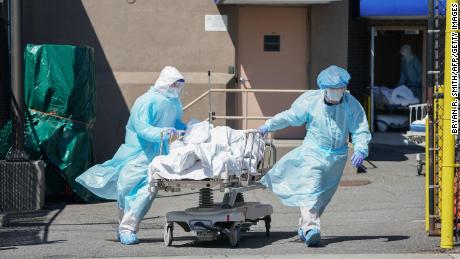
(448, 163)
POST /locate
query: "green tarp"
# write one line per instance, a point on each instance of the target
(60, 100)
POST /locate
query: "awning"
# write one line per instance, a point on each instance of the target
(272, 2)
(397, 8)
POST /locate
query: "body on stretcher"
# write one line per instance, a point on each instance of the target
(233, 215)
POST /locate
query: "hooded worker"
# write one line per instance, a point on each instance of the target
(308, 176)
(411, 71)
(124, 177)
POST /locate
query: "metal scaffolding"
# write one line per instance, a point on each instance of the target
(435, 94)
(442, 182)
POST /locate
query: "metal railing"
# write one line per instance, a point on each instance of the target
(434, 135)
(245, 117)
(417, 112)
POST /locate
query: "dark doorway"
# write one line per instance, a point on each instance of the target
(387, 58)
(389, 116)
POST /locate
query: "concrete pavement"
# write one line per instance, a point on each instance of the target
(380, 212)
(320, 256)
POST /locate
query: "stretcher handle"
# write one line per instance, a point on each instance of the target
(255, 141)
(256, 131)
(176, 132)
(167, 132)
(247, 131)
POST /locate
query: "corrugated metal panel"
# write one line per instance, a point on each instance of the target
(22, 185)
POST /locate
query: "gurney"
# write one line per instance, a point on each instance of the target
(211, 220)
(417, 129)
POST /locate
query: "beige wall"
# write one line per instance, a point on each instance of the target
(329, 37)
(133, 42)
(285, 69)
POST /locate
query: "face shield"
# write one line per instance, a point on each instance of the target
(170, 82)
(334, 95)
(175, 89)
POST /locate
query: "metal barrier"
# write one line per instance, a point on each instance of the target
(434, 176)
(418, 110)
(245, 117)
(448, 164)
(442, 177)
(443, 180)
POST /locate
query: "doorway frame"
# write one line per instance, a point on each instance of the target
(373, 34)
(240, 101)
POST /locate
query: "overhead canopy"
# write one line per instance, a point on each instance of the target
(273, 2)
(396, 8)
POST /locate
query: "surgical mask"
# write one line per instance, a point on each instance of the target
(334, 94)
(173, 93)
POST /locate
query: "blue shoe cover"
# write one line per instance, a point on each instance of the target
(301, 234)
(313, 237)
(128, 238)
(118, 235)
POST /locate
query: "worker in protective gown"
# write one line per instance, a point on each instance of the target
(124, 177)
(411, 71)
(308, 176)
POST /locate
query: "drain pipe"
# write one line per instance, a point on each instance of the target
(17, 70)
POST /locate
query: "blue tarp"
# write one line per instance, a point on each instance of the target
(397, 8)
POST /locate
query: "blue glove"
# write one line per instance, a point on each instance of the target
(263, 130)
(357, 159)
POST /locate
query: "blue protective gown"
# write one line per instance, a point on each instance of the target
(411, 74)
(124, 177)
(308, 176)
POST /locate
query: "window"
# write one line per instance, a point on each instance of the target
(272, 43)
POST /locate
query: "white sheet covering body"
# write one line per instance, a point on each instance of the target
(401, 95)
(206, 152)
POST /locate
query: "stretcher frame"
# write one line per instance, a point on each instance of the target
(417, 112)
(233, 215)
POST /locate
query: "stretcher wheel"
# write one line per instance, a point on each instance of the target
(235, 235)
(168, 234)
(267, 220)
